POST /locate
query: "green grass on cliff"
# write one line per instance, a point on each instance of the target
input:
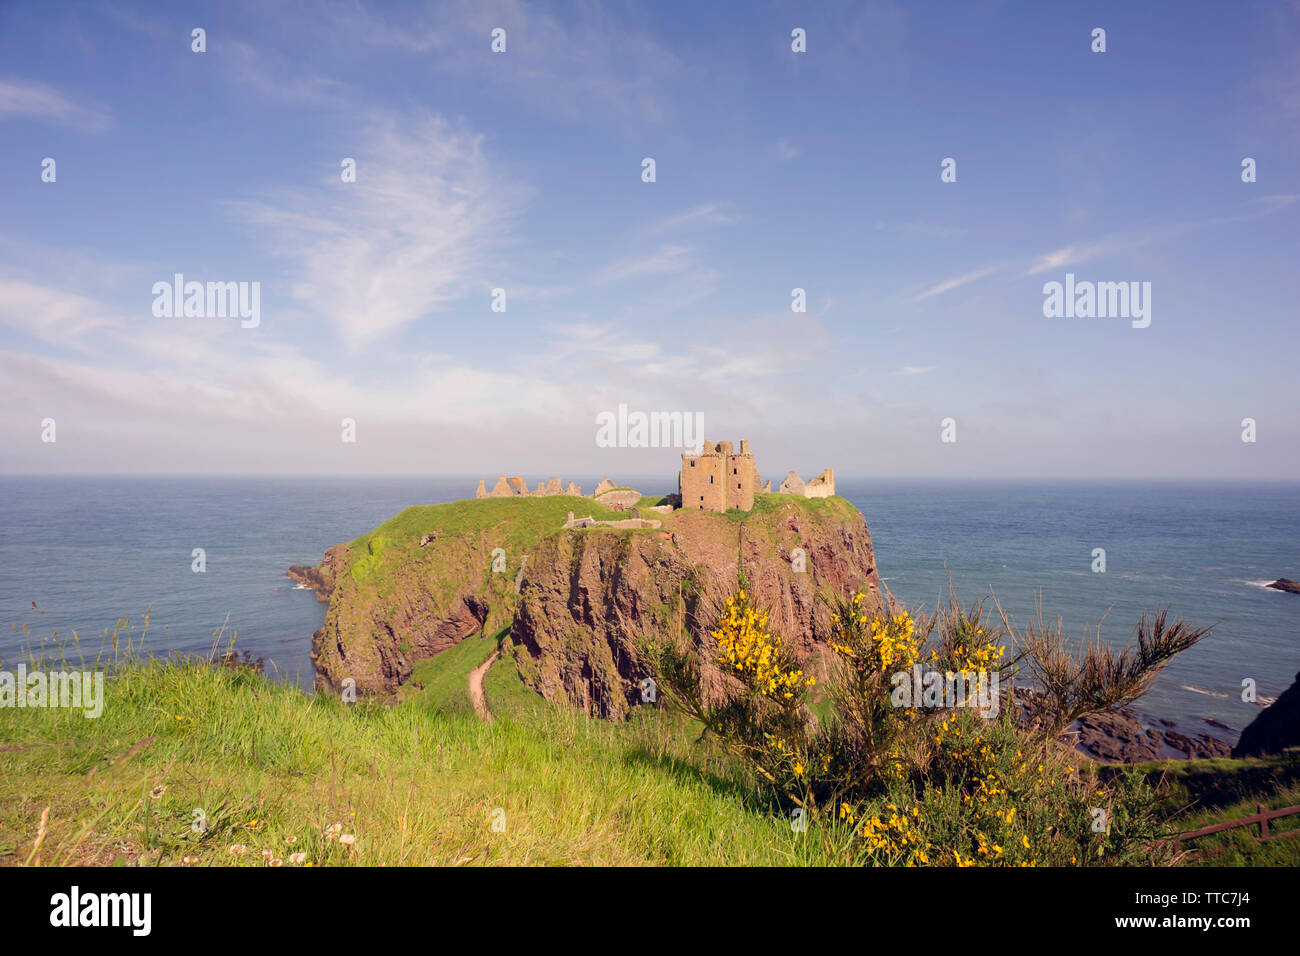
(514, 525)
(517, 524)
(271, 768)
(443, 680)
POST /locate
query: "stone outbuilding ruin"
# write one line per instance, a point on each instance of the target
(517, 487)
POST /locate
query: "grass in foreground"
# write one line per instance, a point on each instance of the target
(267, 768)
(1202, 793)
(193, 764)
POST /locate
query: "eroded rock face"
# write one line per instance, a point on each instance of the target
(1276, 728)
(376, 641)
(582, 600)
(589, 596)
(320, 579)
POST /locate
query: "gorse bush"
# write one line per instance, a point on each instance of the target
(928, 755)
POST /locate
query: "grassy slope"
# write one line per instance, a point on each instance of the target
(415, 783)
(444, 680)
(1201, 793)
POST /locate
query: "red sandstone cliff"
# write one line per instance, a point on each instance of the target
(586, 598)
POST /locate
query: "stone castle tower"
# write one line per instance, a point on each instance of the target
(717, 479)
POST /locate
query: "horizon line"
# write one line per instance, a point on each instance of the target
(361, 476)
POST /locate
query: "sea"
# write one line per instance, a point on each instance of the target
(86, 555)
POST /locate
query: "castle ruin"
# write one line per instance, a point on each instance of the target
(717, 478)
(517, 487)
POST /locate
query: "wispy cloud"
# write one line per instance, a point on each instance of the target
(412, 233)
(956, 281)
(1078, 253)
(666, 260)
(269, 75)
(594, 67)
(52, 315)
(1082, 252)
(710, 213)
(26, 98)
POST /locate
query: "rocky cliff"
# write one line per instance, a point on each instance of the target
(588, 597)
(577, 602)
(1275, 729)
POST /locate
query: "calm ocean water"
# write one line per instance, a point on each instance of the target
(89, 551)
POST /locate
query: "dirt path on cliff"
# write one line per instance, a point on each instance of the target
(476, 687)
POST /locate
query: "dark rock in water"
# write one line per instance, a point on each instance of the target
(1218, 723)
(1120, 737)
(234, 661)
(320, 580)
(1275, 729)
(1167, 723)
(1286, 584)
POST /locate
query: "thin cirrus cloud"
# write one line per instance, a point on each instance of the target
(956, 281)
(413, 233)
(1079, 253)
(592, 69)
(54, 316)
(666, 260)
(26, 98)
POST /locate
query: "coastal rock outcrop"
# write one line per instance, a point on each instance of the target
(321, 578)
(1119, 737)
(1285, 584)
(578, 602)
(589, 598)
(1275, 729)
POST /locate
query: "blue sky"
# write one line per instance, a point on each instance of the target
(775, 170)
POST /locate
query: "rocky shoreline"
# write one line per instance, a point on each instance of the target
(1121, 737)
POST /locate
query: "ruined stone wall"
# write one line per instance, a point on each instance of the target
(823, 486)
(741, 478)
(515, 487)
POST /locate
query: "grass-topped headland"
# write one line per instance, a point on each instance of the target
(433, 575)
(500, 664)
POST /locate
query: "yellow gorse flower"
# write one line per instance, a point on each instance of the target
(748, 649)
